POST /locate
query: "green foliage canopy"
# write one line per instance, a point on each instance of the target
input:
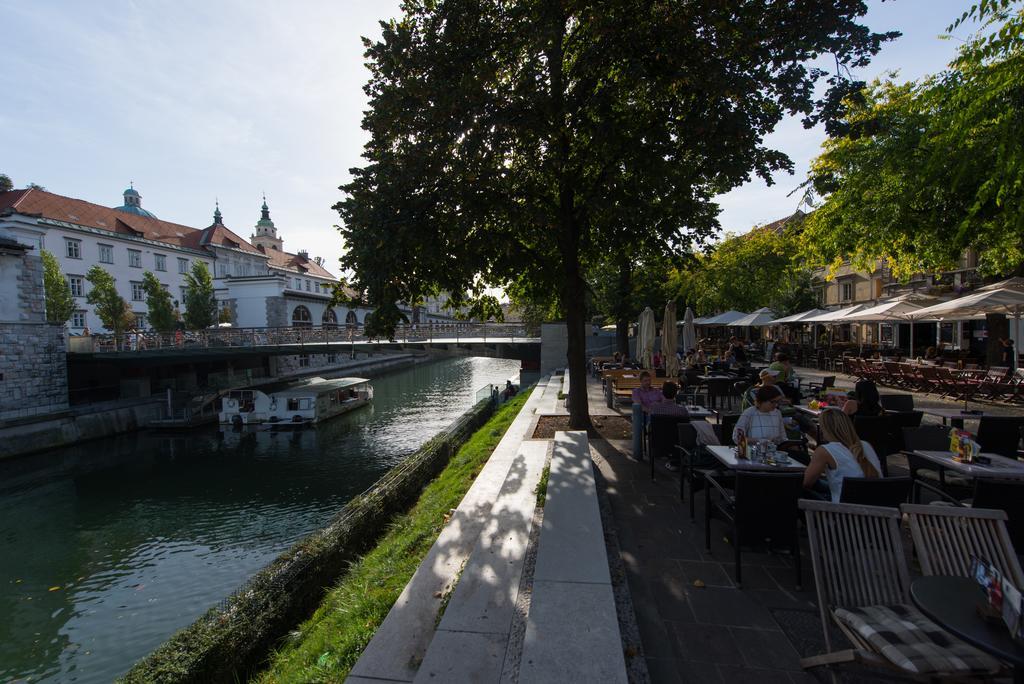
(6, 184)
(200, 299)
(158, 301)
(59, 302)
(931, 168)
(502, 134)
(747, 272)
(114, 312)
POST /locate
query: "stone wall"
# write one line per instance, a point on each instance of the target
(33, 369)
(31, 294)
(277, 312)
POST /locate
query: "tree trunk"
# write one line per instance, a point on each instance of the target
(622, 337)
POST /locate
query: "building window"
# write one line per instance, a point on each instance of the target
(846, 290)
(332, 358)
(308, 286)
(222, 270)
(329, 319)
(303, 361)
(160, 262)
(351, 318)
(298, 284)
(140, 320)
(138, 292)
(77, 285)
(78, 319)
(134, 258)
(73, 248)
(182, 265)
(106, 254)
(301, 317)
(184, 291)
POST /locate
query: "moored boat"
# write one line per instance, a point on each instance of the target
(311, 401)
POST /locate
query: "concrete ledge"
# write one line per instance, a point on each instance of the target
(572, 632)
(571, 547)
(401, 642)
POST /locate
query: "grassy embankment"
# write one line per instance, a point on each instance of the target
(327, 646)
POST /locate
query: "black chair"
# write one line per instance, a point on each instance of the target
(877, 491)
(694, 463)
(876, 431)
(761, 509)
(728, 422)
(826, 382)
(662, 436)
(898, 422)
(1000, 434)
(1005, 495)
(897, 402)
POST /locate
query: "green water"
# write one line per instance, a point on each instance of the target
(109, 547)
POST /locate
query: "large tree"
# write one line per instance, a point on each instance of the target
(158, 301)
(59, 302)
(931, 168)
(501, 133)
(5, 183)
(112, 309)
(200, 299)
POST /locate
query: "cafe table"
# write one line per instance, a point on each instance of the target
(955, 417)
(952, 603)
(999, 467)
(726, 455)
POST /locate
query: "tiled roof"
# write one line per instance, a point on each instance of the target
(296, 263)
(781, 224)
(220, 235)
(69, 210)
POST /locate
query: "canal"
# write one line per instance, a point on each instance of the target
(109, 547)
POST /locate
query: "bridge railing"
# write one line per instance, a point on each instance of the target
(300, 336)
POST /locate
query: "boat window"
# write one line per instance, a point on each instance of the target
(293, 404)
(303, 404)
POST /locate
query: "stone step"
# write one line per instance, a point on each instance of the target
(572, 631)
(471, 642)
(402, 640)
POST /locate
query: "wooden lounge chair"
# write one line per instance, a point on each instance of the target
(945, 538)
(863, 586)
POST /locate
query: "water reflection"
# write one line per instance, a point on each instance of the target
(109, 547)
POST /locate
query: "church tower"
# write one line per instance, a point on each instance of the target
(266, 234)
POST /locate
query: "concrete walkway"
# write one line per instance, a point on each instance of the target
(506, 621)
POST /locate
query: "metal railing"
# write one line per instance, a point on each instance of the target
(299, 337)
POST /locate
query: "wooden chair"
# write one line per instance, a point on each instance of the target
(945, 538)
(863, 586)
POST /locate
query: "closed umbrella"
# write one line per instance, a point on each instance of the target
(645, 338)
(689, 331)
(669, 340)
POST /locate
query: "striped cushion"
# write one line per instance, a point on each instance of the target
(913, 643)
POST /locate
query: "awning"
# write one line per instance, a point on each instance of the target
(759, 318)
(838, 316)
(799, 317)
(726, 318)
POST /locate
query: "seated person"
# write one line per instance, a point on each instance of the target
(668, 406)
(865, 401)
(644, 397)
(766, 379)
(843, 455)
(763, 421)
(786, 378)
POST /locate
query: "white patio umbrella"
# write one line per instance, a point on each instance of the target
(799, 317)
(645, 338)
(725, 318)
(902, 308)
(758, 319)
(1014, 283)
(670, 340)
(689, 331)
(1004, 301)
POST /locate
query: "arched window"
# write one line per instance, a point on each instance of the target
(301, 318)
(351, 318)
(330, 319)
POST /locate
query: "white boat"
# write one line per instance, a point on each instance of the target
(312, 401)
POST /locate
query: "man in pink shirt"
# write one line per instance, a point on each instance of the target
(644, 397)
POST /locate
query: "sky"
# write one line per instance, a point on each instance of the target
(200, 102)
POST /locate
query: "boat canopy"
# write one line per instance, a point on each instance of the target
(321, 386)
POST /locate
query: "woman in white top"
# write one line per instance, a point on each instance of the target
(844, 455)
(762, 420)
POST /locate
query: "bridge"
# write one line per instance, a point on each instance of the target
(502, 340)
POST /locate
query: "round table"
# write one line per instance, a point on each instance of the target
(951, 602)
